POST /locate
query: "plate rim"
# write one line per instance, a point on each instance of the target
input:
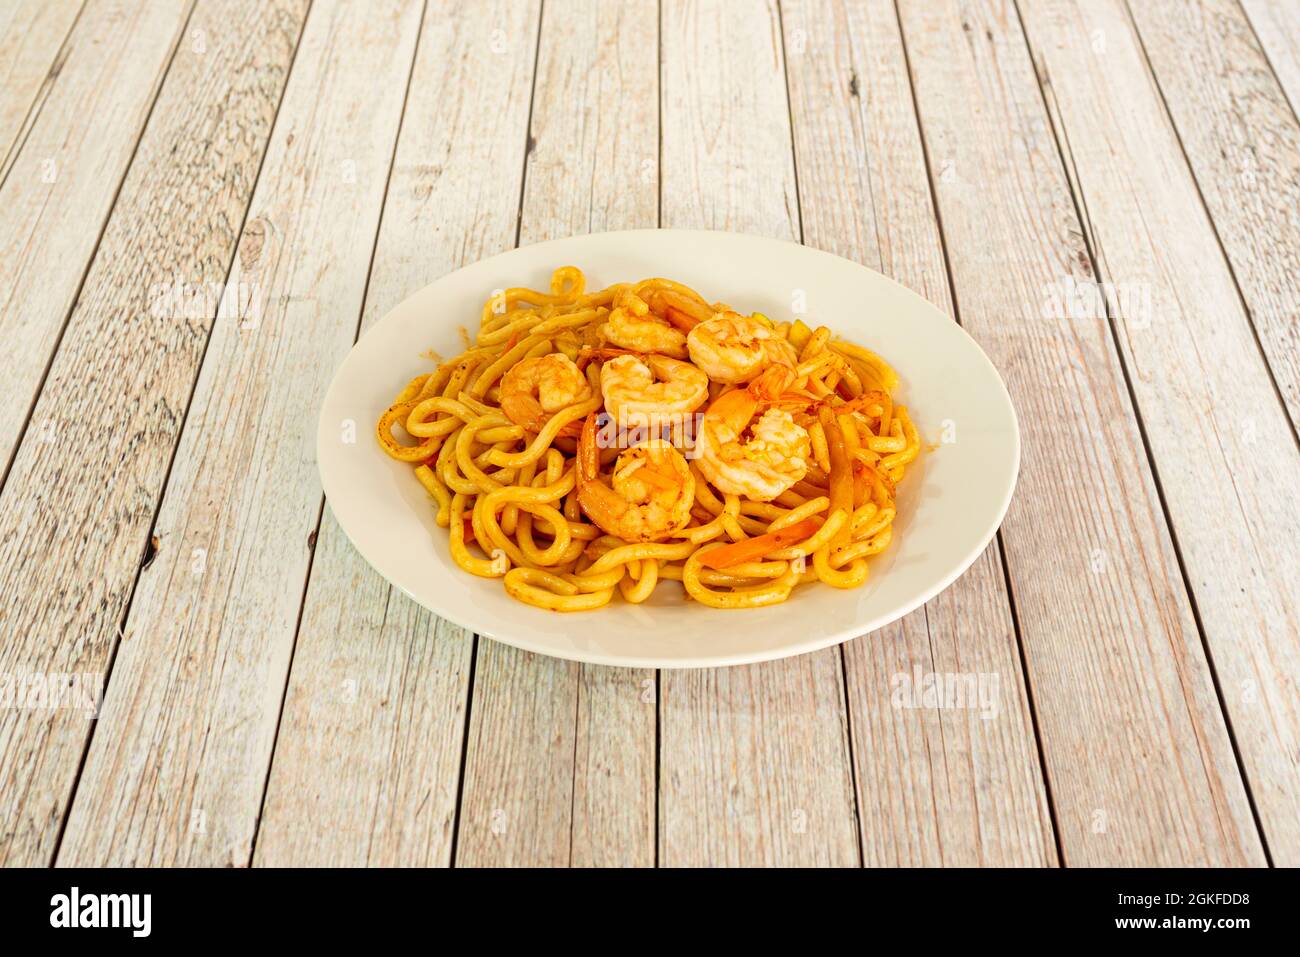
(791, 650)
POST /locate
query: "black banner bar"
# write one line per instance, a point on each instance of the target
(340, 906)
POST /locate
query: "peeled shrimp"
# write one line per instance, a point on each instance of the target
(632, 325)
(652, 489)
(535, 389)
(774, 455)
(733, 348)
(651, 386)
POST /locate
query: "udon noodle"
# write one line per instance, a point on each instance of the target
(593, 444)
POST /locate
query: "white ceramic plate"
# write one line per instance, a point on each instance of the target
(950, 503)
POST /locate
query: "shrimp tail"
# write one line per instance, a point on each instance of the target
(792, 402)
(771, 383)
(588, 353)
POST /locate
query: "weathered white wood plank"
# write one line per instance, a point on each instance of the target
(388, 761)
(1243, 143)
(560, 765)
(726, 130)
(1137, 754)
(595, 160)
(755, 762)
(516, 809)
(70, 548)
(614, 768)
(368, 754)
(961, 787)
(1277, 25)
(179, 762)
(60, 187)
(31, 35)
(1220, 439)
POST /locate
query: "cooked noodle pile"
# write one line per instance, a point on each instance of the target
(594, 443)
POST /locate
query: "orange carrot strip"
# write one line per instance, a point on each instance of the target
(752, 549)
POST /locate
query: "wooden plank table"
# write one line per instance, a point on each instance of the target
(198, 669)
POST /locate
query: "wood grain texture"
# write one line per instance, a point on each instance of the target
(389, 763)
(755, 766)
(614, 769)
(594, 163)
(517, 805)
(181, 755)
(961, 787)
(1220, 438)
(70, 549)
(1243, 143)
(274, 701)
(1136, 750)
(31, 35)
(61, 185)
(560, 765)
(1277, 26)
(368, 754)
